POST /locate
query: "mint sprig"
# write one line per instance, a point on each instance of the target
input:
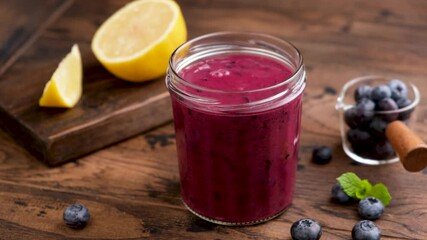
(355, 187)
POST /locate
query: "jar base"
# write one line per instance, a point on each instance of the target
(235, 223)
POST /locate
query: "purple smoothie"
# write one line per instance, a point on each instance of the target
(237, 167)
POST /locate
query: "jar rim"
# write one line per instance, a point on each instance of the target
(295, 73)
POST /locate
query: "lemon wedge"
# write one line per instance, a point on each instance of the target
(64, 89)
(135, 43)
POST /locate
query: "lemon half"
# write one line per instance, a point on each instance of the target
(64, 89)
(135, 43)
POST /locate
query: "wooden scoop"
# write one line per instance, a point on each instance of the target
(410, 148)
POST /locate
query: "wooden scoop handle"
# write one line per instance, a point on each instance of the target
(410, 148)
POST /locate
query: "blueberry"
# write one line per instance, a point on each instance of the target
(76, 216)
(370, 208)
(358, 115)
(377, 127)
(383, 150)
(363, 91)
(402, 103)
(366, 104)
(359, 138)
(380, 92)
(365, 230)
(353, 118)
(306, 229)
(388, 104)
(398, 89)
(339, 195)
(322, 155)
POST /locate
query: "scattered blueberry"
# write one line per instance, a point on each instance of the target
(306, 229)
(76, 216)
(398, 89)
(370, 208)
(363, 91)
(339, 195)
(365, 230)
(380, 92)
(322, 155)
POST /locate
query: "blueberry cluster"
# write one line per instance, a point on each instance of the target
(368, 118)
(369, 208)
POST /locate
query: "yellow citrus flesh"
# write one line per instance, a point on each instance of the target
(64, 89)
(135, 43)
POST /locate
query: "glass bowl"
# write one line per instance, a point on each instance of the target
(363, 121)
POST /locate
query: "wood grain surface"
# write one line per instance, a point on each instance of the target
(132, 188)
(110, 109)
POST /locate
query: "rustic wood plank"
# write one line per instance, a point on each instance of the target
(150, 192)
(18, 33)
(133, 186)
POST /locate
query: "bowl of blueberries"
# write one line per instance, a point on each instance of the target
(366, 105)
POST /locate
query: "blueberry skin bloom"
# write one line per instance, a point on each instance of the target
(365, 230)
(306, 229)
(76, 216)
(370, 208)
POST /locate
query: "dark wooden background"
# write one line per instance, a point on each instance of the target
(132, 188)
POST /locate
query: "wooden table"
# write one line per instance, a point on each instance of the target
(132, 188)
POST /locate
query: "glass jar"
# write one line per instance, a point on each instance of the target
(363, 130)
(236, 101)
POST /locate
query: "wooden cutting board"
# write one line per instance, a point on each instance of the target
(110, 109)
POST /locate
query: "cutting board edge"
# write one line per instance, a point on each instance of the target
(32, 142)
(56, 150)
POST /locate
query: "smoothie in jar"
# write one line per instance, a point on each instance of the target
(237, 120)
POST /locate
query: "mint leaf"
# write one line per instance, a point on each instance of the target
(380, 192)
(364, 189)
(354, 187)
(350, 183)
